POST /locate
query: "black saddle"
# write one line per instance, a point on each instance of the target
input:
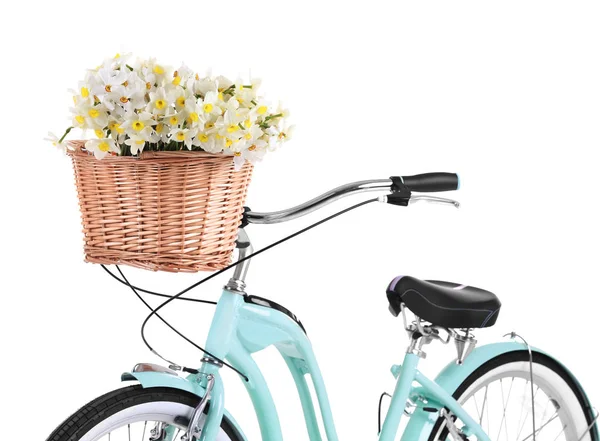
(443, 303)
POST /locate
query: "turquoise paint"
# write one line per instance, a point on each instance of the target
(240, 329)
(401, 393)
(298, 369)
(257, 389)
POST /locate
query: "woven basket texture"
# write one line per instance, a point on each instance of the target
(170, 211)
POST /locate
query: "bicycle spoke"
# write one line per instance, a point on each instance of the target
(483, 406)
(561, 432)
(528, 412)
(129, 431)
(144, 432)
(504, 405)
(538, 430)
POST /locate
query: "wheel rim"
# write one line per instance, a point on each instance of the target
(136, 423)
(500, 401)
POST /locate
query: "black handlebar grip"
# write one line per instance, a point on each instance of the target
(431, 182)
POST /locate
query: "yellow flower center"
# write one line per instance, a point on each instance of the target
(173, 120)
(197, 77)
(114, 127)
(282, 135)
(221, 96)
(180, 136)
(252, 147)
(148, 85)
(194, 117)
(203, 138)
(209, 125)
(158, 70)
(85, 92)
(99, 133)
(218, 136)
(232, 128)
(262, 110)
(228, 142)
(208, 107)
(107, 88)
(247, 123)
(181, 101)
(103, 147)
(117, 56)
(237, 154)
(177, 81)
(138, 125)
(239, 100)
(93, 113)
(159, 128)
(140, 142)
(160, 104)
(248, 136)
(126, 83)
(80, 119)
(124, 99)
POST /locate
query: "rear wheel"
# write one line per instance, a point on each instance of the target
(498, 396)
(134, 413)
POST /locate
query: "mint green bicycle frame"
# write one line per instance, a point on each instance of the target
(240, 329)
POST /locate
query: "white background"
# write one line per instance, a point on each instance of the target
(506, 93)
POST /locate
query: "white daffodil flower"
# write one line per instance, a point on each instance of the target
(210, 103)
(137, 141)
(160, 102)
(230, 124)
(136, 122)
(129, 98)
(184, 135)
(55, 140)
(173, 119)
(261, 109)
(102, 147)
(160, 71)
(107, 78)
(181, 76)
(202, 86)
(209, 143)
(181, 97)
(279, 133)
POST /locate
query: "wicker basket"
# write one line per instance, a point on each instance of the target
(170, 211)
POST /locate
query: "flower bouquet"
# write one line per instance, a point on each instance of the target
(162, 181)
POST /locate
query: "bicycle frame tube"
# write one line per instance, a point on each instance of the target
(238, 330)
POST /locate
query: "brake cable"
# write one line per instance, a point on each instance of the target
(178, 296)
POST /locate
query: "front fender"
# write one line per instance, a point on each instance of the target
(168, 378)
(453, 375)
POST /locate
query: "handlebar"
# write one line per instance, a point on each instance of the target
(427, 182)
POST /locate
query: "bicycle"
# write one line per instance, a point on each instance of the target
(503, 379)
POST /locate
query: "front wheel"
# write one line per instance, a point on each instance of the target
(498, 395)
(135, 413)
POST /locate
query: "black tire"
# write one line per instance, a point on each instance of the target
(93, 413)
(510, 357)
